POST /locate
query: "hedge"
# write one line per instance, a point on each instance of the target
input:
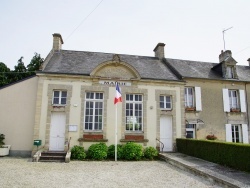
(235, 155)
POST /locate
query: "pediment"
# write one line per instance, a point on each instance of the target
(115, 68)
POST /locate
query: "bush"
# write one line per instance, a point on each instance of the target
(111, 151)
(132, 151)
(78, 153)
(235, 155)
(2, 137)
(97, 151)
(150, 153)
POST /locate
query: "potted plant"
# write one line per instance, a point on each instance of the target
(211, 137)
(4, 149)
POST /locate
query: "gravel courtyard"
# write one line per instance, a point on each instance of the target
(20, 172)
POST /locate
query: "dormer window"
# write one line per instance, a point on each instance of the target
(230, 72)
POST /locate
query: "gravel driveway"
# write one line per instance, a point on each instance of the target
(20, 172)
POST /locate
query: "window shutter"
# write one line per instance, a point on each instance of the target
(228, 133)
(242, 101)
(226, 100)
(198, 98)
(245, 134)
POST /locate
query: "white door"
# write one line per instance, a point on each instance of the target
(57, 131)
(166, 132)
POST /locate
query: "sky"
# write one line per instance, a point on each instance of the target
(191, 29)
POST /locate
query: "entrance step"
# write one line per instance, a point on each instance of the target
(52, 156)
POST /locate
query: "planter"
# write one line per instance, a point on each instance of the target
(4, 150)
(190, 109)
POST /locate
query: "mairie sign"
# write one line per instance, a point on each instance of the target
(112, 83)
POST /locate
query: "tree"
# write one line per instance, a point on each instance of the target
(35, 64)
(19, 71)
(4, 76)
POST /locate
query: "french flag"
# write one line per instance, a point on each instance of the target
(118, 95)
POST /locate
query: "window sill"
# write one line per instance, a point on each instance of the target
(166, 109)
(130, 140)
(235, 110)
(92, 140)
(192, 109)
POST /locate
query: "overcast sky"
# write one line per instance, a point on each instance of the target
(191, 29)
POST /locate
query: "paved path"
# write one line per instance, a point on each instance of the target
(18, 172)
(222, 175)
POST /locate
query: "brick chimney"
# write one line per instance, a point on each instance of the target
(159, 50)
(224, 55)
(57, 42)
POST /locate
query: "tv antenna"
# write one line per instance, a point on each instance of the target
(223, 32)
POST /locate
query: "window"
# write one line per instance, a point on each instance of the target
(165, 102)
(233, 99)
(236, 133)
(230, 72)
(189, 97)
(93, 111)
(60, 97)
(134, 112)
(190, 130)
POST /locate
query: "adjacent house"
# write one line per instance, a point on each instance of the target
(70, 101)
(216, 100)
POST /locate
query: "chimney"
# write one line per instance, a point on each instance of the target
(57, 42)
(224, 55)
(248, 61)
(159, 50)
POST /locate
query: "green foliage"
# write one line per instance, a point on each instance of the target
(229, 154)
(132, 151)
(2, 137)
(20, 72)
(35, 63)
(150, 153)
(111, 151)
(97, 151)
(78, 153)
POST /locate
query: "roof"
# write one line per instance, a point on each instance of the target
(197, 69)
(83, 63)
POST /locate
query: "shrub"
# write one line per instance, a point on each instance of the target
(235, 155)
(132, 151)
(98, 151)
(2, 137)
(77, 152)
(150, 153)
(111, 151)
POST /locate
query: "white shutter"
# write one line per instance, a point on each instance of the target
(198, 98)
(242, 101)
(228, 133)
(226, 100)
(245, 133)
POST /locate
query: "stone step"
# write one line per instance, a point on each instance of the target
(52, 157)
(52, 153)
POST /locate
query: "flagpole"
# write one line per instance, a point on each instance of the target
(116, 132)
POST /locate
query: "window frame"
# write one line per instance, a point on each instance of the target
(59, 98)
(134, 118)
(191, 129)
(237, 136)
(93, 114)
(165, 102)
(230, 96)
(230, 72)
(187, 97)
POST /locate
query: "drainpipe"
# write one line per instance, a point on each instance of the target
(247, 110)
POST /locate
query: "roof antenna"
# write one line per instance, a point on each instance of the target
(223, 32)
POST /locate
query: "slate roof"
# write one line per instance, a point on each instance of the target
(197, 69)
(83, 63)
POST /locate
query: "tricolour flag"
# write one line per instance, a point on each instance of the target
(118, 95)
